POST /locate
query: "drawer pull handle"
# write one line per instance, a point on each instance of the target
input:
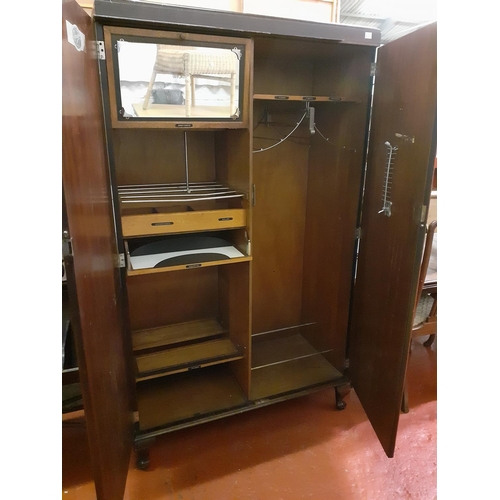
(162, 223)
(222, 219)
(190, 266)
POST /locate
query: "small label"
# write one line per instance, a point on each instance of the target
(184, 125)
(191, 266)
(222, 219)
(368, 35)
(75, 36)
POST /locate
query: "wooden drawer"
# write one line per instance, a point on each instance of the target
(181, 222)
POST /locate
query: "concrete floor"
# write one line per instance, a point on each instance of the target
(299, 449)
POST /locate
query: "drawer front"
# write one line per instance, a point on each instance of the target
(182, 222)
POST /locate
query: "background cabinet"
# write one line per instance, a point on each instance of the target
(207, 335)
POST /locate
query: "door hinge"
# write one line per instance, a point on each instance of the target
(423, 214)
(373, 69)
(358, 233)
(253, 195)
(101, 52)
(346, 364)
(67, 245)
(120, 260)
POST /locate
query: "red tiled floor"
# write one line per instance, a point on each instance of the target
(299, 449)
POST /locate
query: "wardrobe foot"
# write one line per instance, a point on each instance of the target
(340, 393)
(142, 452)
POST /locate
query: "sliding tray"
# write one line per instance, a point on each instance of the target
(157, 209)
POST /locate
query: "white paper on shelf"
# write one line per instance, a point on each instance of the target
(150, 261)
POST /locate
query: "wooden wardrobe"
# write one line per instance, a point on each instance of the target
(246, 203)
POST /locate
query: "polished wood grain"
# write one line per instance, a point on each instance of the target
(182, 222)
(279, 220)
(292, 376)
(188, 331)
(344, 72)
(276, 350)
(158, 156)
(235, 311)
(93, 278)
(183, 267)
(156, 300)
(282, 76)
(163, 402)
(233, 158)
(335, 172)
(334, 179)
(159, 36)
(390, 247)
(180, 359)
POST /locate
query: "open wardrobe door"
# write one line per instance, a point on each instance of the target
(401, 153)
(90, 257)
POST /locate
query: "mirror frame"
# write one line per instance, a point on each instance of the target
(112, 34)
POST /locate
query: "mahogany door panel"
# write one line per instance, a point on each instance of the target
(401, 153)
(93, 276)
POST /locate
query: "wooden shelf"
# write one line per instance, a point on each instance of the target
(170, 335)
(180, 359)
(278, 350)
(306, 98)
(287, 364)
(164, 402)
(234, 260)
(177, 252)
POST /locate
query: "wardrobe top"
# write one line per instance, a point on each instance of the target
(158, 16)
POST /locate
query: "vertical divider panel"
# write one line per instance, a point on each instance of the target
(234, 292)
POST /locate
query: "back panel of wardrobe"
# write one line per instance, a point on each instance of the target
(307, 189)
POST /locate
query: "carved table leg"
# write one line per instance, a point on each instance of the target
(341, 392)
(142, 452)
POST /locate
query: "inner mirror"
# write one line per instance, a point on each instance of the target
(177, 81)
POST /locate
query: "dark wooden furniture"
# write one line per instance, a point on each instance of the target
(425, 316)
(425, 309)
(223, 262)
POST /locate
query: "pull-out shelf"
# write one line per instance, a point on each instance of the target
(182, 222)
(186, 358)
(182, 347)
(175, 253)
(178, 208)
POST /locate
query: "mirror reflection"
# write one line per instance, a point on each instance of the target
(178, 81)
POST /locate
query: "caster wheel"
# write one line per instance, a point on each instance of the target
(340, 405)
(142, 463)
